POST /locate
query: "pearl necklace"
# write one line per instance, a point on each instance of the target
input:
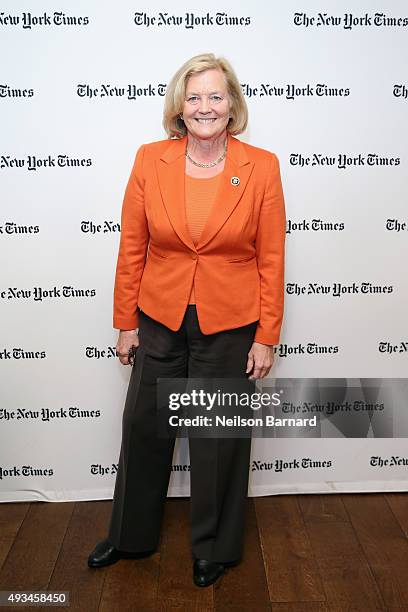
(210, 164)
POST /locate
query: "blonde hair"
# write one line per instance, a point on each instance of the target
(176, 91)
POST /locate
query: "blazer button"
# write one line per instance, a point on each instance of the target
(194, 255)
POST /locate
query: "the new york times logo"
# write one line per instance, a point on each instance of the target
(21, 354)
(106, 227)
(338, 289)
(290, 91)
(190, 20)
(94, 352)
(32, 162)
(38, 294)
(47, 415)
(24, 470)
(342, 161)
(314, 225)
(97, 469)
(331, 408)
(279, 465)
(312, 348)
(12, 229)
(348, 20)
(12, 92)
(391, 348)
(129, 92)
(393, 461)
(181, 467)
(29, 20)
(400, 91)
(395, 225)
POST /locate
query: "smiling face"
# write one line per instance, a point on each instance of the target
(206, 109)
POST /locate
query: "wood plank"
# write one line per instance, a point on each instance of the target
(343, 567)
(88, 525)
(301, 607)
(244, 587)
(12, 516)
(291, 569)
(31, 560)
(322, 508)
(172, 605)
(359, 608)
(398, 502)
(384, 543)
(322, 607)
(176, 561)
(131, 584)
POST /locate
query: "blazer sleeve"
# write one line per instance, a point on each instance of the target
(133, 245)
(270, 253)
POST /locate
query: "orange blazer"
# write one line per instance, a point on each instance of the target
(238, 263)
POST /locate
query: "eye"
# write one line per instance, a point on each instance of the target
(216, 98)
(192, 99)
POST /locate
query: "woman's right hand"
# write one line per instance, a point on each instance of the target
(127, 339)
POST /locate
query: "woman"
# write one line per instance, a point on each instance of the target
(200, 272)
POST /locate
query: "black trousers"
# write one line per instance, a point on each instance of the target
(219, 467)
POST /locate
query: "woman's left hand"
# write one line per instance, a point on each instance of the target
(260, 360)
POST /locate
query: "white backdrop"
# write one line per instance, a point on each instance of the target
(81, 89)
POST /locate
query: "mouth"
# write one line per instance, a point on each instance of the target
(206, 120)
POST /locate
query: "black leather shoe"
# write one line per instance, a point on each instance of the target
(105, 553)
(206, 572)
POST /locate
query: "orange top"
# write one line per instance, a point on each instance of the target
(200, 196)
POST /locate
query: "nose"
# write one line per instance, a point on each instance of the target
(204, 105)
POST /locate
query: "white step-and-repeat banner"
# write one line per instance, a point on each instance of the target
(82, 86)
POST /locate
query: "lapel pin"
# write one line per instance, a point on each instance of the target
(235, 181)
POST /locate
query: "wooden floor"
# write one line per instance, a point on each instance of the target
(303, 553)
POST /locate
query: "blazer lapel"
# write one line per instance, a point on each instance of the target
(170, 172)
(229, 193)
